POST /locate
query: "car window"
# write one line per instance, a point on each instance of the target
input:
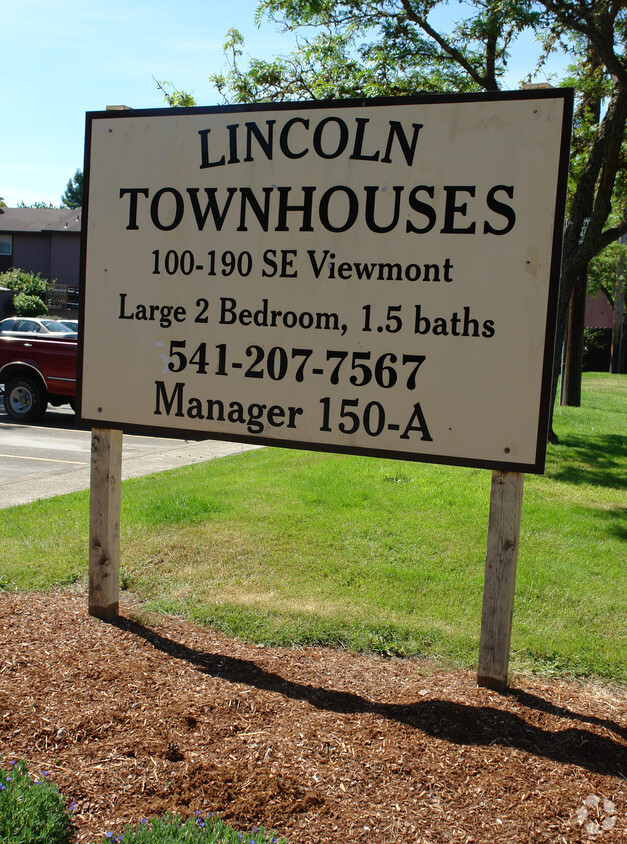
(28, 325)
(7, 325)
(53, 325)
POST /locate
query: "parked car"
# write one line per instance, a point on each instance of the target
(25, 326)
(36, 370)
(72, 324)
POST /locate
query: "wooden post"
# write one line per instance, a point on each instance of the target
(500, 578)
(104, 523)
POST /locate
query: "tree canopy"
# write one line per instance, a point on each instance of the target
(73, 196)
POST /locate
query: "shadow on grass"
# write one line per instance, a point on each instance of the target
(455, 722)
(600, 460)
(616, 521)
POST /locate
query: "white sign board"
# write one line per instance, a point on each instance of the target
(375, 277)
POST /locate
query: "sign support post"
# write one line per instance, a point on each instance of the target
(104, 523)
(500, 578)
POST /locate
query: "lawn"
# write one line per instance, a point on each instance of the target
(295, 547)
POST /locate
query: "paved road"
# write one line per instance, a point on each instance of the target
(53, 456)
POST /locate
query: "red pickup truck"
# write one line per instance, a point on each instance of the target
(35, 372)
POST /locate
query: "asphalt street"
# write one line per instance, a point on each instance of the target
(53, 456)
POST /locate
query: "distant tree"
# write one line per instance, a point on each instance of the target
(2, 202)
(30, 288)
(22, 204)
(73, 196)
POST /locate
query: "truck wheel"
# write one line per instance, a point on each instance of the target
(24, 399)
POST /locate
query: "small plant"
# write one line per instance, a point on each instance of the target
(171, 829)
(31, 810)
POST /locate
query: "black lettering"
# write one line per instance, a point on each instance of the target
(252, 130)
(215, 410)
(132, 210)
(262, 215)
(227, 311)
(357, 154)
(451, 209)
(204, 151)
(168, 403)
(124, 315)
(421, 208)
(194, 408)
(342, 141)
(440, 327)
(268, 258)
(218, 215)
(488, 328)
(318, 267)
(370, 203)
(233, 159)
(178, 209)
(284, 136)
(351, 212)
(436, 272)
(392, 271)
(284, 208)
(409, 149)
(421, 427)
(468, 323)
(500, 208)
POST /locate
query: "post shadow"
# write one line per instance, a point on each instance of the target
(458, 723)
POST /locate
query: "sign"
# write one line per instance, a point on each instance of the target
(373, 277)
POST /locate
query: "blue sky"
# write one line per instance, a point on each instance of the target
(61, 59)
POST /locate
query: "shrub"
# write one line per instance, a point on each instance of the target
(171, 829)
(30, 288)
(32, 811)
(33, 284)
(25, 305)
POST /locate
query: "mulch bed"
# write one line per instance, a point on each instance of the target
(131, 719)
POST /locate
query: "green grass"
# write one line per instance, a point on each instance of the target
(291, 547)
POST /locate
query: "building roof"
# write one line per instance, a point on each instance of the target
(40, 220)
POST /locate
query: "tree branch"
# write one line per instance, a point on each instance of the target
(448, 48)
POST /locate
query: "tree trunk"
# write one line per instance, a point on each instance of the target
(618, 339)
(570, 388)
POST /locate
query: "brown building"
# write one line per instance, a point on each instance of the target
(45, 241)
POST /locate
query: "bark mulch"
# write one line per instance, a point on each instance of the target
(133, 718)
